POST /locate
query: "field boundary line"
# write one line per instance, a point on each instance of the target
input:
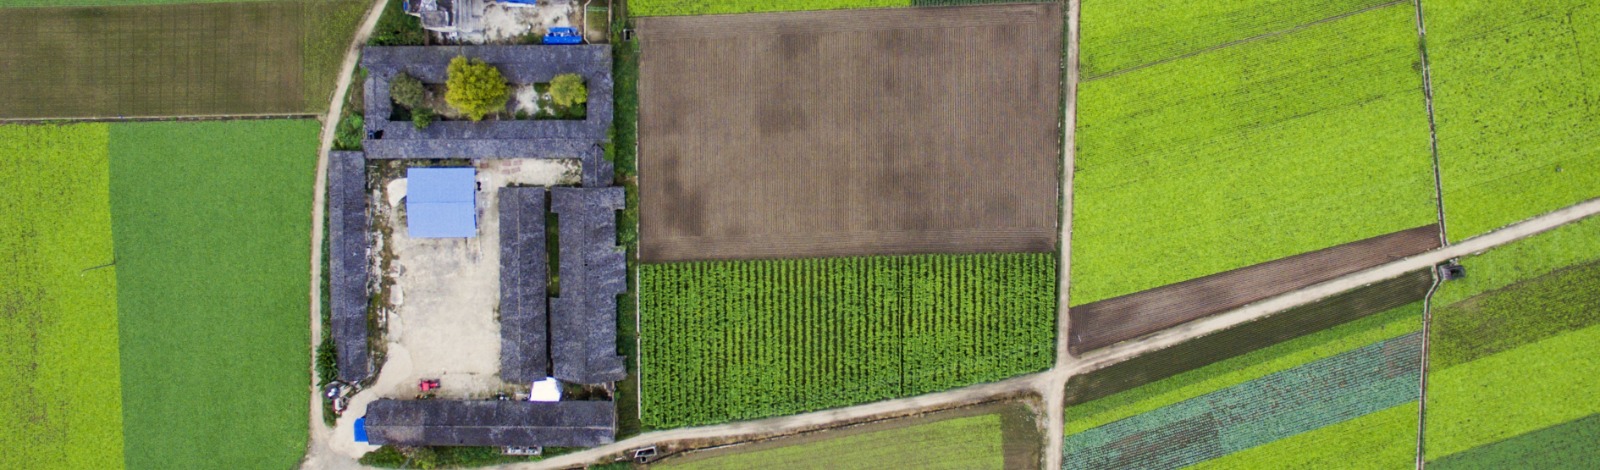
(1444, 238)
(1054, 395)
(181, 117)
(1433, 132)
(1236, 42)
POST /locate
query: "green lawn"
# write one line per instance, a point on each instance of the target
(1514, 96)
(1249, 153)
(969, 443)
(1121, 34)
(212, 226)
(58, 313)
(1383, 440)
(1513, 392)
(736, 340)
(1231, 372)
(718, 7)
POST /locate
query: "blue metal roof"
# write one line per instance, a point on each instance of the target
(441, 203)
(361, 429)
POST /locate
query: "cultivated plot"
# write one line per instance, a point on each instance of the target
(1342, 397)
(1241, 154)
(212, 227)
(1514, 357)
(919, 130)
(58, 314)
(1515, 96)
(982, 437)
(723, 341)
(166, 60)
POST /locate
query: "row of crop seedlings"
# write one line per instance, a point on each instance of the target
(1283, 404)
(732, 340)
(1513, 367)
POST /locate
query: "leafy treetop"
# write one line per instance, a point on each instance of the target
(475, 88)
(568, 89)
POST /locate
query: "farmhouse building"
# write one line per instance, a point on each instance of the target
(500, 423)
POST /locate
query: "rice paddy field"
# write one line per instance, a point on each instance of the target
(1214, 149)
(212, 230)
(1512, 370)
(1308, 402)
(58, 342)
(1514, 96)
(279, 57)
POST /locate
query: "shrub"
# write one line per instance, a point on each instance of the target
(406, 90)
(422, 117)
(349, 133)
(396, 28)
(475, 88)
(327, 362)
(568, 89)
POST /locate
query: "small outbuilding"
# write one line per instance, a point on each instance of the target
(441, 203)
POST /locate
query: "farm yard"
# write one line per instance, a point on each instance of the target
(865, 144)
(725, 341)
(212, 229)
(1215, 155)
(980, 437)
(178, 59)
(1511, 357)
(58, 343)
(1290, 403)
(1515, 86)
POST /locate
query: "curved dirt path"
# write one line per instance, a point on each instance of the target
(316, 444)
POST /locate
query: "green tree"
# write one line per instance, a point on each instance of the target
(406, 90)
(422, 117)
(568, 89)
(475, 88)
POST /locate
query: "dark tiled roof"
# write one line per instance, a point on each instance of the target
(524, 275)
(494, 139)
(491, 423)
(583, 320)
(348, 267)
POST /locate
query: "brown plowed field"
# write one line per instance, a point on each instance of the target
(912, 130)
(1109, 321)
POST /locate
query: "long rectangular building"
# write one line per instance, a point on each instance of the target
(491, 423)
(583, 319)
(524, 278)
(348, 268)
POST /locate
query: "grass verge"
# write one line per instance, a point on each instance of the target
(212, 229)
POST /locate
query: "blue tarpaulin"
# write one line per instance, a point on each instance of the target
(361, 429)
(441, 203)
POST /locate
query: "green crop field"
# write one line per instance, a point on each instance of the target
(969, 443)
(1534, 386)
(1514, 96)
(1120, 35)
(1378, 441)
(174, 60)
(1290, 405)
(62, 408)
(1567, 245)
(1566, 445)
(1247, 153)
(738, 340)
(212, 228)
(1234, 371)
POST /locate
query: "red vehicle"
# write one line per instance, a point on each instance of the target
(428, 385)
